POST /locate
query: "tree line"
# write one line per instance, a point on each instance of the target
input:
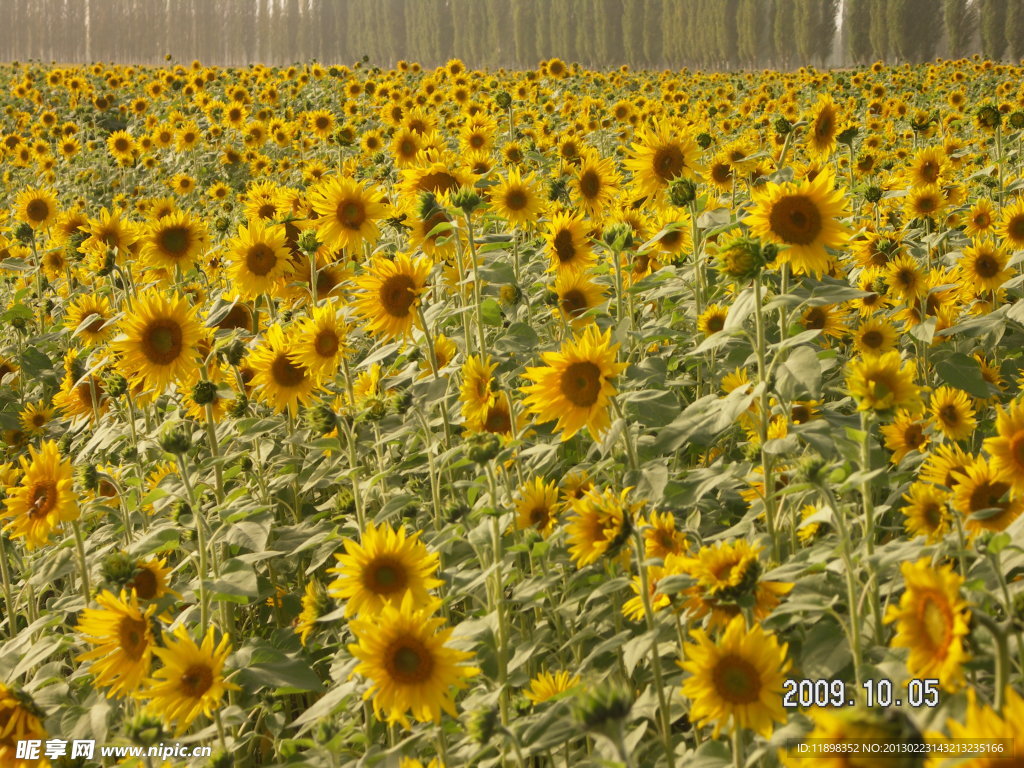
(708, 34)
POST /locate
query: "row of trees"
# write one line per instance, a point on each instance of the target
(514, 33)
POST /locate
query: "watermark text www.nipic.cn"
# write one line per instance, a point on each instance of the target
(36, 749)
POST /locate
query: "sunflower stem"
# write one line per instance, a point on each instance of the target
(82, 564)
(866, 425)
(220, 731)
(664, 716)
(5, 574)
(211, 436)
(766, 458)
(479, 314)
(204, 601)
(851, 585)
(997, 567)
(501, 651)
(627, 437)
(737, 746)
(1002, 655)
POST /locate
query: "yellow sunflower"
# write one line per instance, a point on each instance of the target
(34, 417)
(983, 724)
(547, 685)
(926, 512)
(821, 135)
(904, 435)
(577, 293)
(174, 241)
(191, 681)
(803, 218)
(659, 156)
(277, 379)
(349, 212)
(576, 384)
(43, 499)
(88, 318)
(320, 341)
(568, 243)
(875, 336)
(980, 219)
(22, 721)
(1006, 449)
(316, 604)
(476, 393)
(932, 621)
(149, 582)
(403, 651)
(36, 207)
(882, 382)
(736, 681)
(594, 184)
(983, 497)
(159, 340)
(1011, 224)
(516, 199)
(259, 258)
(952, 413)
(599, 524)
(384, 566)
(389, 292)
(537, 506)
(123, 640)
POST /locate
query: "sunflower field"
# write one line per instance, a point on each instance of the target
(438, 417)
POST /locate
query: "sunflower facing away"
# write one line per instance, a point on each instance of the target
(382, 568)
(403, 651)
(932, 622)
(259, 258)
(576, 384)
(547, 685)
(123, 642)
(736, 681)
(389, 293)
(43, 499)
(804, 218)
(158, 340)
(349, 212)
(278, 380)
(191, 681)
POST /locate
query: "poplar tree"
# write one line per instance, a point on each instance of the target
(1015, 30)
(960, 18)
(993, 28)
(857, 29)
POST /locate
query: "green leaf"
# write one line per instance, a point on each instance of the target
(490, 311)
(800, 376)
(963, 372)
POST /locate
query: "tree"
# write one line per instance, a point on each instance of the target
(784, 31)
(881, 46)
(857, 30)
(1015, 30)
(914, 29)
(960, 19)
(993, 28)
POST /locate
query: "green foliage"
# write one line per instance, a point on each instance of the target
(960, 20)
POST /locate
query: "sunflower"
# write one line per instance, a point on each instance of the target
(840, 733)
(952, 413)
(984, 266)
(516, 199)
(736, 682)
(635, 609)
(925, 202)
(549, 685)
(982, 724)
(123, 640)
(1011, 224)
(277, 379)
(388, 293)
(536, 506)
(349, 212)
(932, 621)
(22, 721)
(34, 417)
(1006, 449)
(149, 582)
(821, 136)
(728, 575)
(804, 218)
(712, 319)
(659, 156)
(594, 184)
(577, 294)
(36, 207)
(926, 512)
(88, 318)
(121, 146)
(980, 219)
(316, 604)
(661, 537)
(599, 524)
(320, 341)
(904, 435)
(382, 568)
(882, 382)
(476, 392)
(191, 681)
(946, 466)
(159, 339)
(576, 384)
(433, 172)
(906, 279)
(983, 498)
(568, 243)
(875, 336)
(926, 168)
(259, 258)
(403, 651)
(174, 241)
(43, 499)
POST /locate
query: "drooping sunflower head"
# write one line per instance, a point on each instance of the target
(383, 567)
(316, 604)
(159, 340)
(600, 524)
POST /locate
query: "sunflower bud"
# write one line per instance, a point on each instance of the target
(466, 200)
(873, 194)
(89, 476)
(510, 295)
(115, 384)
(146, 730)
(742, 259)
(222, 224)
(175, 438)
(19, 323)
(23, 233)
(308, 243)
(456, 511)
(325, 730)
(321, 418)
(401, 401)
(812, 469)
(503, 99)
(482, 447)
(847, 135)
(682, 192)
(234, 352)
(783, 127)
(117, 569)
(109, 260)
(482, 725)
(345, 501)
(427, 206)
(221, 760)
(618, 236)
(180, 508)
(238, 406)
(204, 392)
(557, 190)
(989, 118)
(704, 140)
(375, 410)
(603, 709)
(64, 444)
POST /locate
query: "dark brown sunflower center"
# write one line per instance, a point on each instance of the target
(736, 680)
(716, 323)
(913, 436)
(385, 576)
(43, 497)
(1017, 450)
(539, 516)
(175, 241)
(573, 301)
(498, 420)
(286, 373)
(932, 515)
(260, 259)
(237, 317)
(410, 662)
(565, 248)
(816, 319)
(438, 181)
(930, 172)
(132, 636)
(987, 495)
(145, 584)
(950, 415)
(671, 239)
(982, 220)
(37, 210)
(590, 184)
(407, 148)
(121, 144)
(96, 321)
(1015, 229)
(581, 383)
(351, 214)
(721, 172)
(986, 266)
(161, 342)
(323, 123)
(669, 162)
(516, 200)
(873, 339)
(196, 680)
(795, 219)
(326, 343)
(397, 295)
(927, 204)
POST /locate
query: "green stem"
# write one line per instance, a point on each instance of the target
(479, 314)
(82, 564)
(866, 423)
(851, 584)
(204, 601)
(766, 458)
(11, 612)
(1002, 655)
